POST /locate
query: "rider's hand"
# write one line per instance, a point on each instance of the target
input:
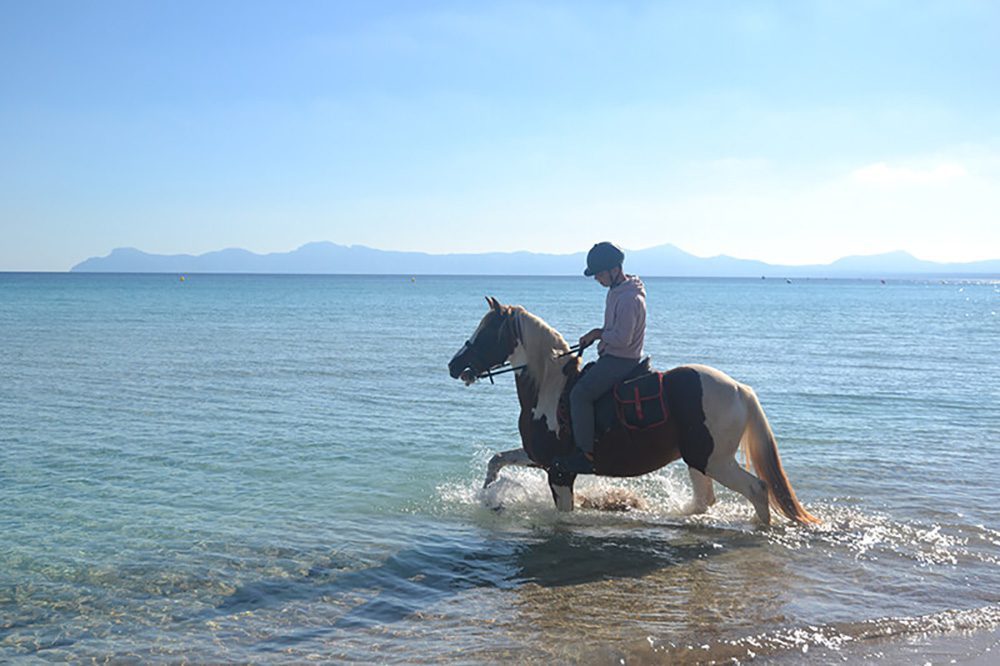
(590, 337)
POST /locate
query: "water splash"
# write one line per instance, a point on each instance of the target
(865, 534)
(523, 492)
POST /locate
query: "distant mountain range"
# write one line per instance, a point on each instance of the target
(663, 260)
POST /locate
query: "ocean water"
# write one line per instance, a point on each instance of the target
(279, 468)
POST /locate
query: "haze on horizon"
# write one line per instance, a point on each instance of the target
(789, 133)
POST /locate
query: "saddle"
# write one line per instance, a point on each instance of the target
(639, 401)
(636, 403)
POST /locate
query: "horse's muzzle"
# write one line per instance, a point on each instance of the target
(458, 363)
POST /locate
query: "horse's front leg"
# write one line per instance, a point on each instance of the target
(501, 460)
(561, 485)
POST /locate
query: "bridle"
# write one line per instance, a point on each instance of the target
(506, 367)
(497, 368)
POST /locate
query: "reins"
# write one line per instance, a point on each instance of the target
(507, 367)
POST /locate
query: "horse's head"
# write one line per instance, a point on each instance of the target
(491, 343)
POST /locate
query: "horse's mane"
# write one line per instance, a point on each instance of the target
(542, 343)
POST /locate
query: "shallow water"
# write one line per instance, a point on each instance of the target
(267, 468)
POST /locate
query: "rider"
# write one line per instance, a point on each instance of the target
(619, 350)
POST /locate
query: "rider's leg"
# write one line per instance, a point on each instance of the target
(598, 380)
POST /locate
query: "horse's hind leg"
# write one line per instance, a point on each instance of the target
(501, 460)
(702, 494)
(732, 476)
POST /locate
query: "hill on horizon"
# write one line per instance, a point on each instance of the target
(325, 257)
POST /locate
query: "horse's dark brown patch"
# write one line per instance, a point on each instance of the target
(539, 442)
(622, 451)
(684, 395)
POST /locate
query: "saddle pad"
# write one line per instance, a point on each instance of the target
(640, 402)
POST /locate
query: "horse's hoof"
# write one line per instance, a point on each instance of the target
(694, 509)
(764, 516)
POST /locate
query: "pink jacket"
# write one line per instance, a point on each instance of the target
(624, 320)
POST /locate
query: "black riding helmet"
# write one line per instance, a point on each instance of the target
(603, 257)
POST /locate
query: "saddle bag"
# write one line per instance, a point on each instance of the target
(640, 402)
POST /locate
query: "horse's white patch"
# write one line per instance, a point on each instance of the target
(548, 393)
(563, 496)
(501, 460)
(548, 406)
(519, 356)
(725, 412)
(544, 366)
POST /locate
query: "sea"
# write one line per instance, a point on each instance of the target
(279, 469)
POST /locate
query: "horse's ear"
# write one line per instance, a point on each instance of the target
(494, 303)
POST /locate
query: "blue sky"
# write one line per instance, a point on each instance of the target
(792, 132)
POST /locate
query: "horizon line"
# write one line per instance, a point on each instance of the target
(897, 251)
(859, 276)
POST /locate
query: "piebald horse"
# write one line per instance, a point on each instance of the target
(711, 417)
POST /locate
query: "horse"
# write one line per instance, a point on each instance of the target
(712, 416)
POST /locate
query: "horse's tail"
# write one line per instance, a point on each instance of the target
(760, 449)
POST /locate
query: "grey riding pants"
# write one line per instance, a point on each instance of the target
(599, 379)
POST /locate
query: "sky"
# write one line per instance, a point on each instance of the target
(790, 132)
